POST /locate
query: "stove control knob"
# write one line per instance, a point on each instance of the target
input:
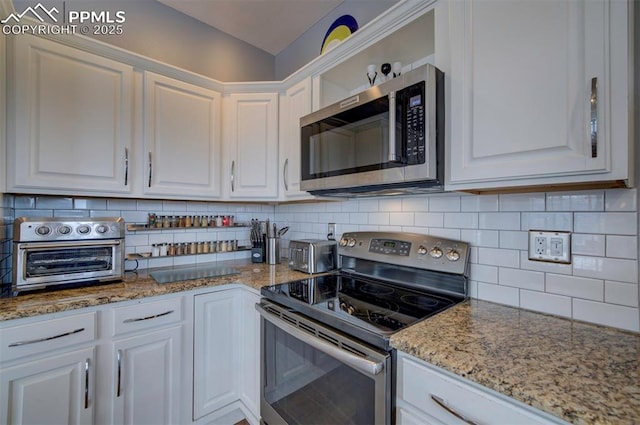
(64, 229)
(435, 252)
(84, 229)
(453, 255)
(102, 229)
(422, 250)
(351, 243)
(43, 230)
(343, 242)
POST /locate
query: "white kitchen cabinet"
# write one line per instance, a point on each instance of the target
(47, 371)
(216, 354)
(294, 103)
(69, 120)
(250, 145)
(250, 355)
(419, 384)
(529, 81)
(145, 362)
(181, 138)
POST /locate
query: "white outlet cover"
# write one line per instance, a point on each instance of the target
(550, 246)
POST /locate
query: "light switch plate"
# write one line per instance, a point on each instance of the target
(553, 247)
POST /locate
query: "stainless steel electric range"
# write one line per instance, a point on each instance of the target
(325, 351)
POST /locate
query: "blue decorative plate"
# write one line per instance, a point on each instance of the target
(341, 28)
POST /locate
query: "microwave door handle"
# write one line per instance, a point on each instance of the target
(392, 157)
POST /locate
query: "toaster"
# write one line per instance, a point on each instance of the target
(313, 255)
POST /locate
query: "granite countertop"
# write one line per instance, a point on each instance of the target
(582, 373)
(140, 285)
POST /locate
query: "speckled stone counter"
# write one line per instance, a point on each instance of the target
(139, 285)
(582, 373)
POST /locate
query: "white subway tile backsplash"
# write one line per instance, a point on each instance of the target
(499, 294)
(615, 223)
(368, 205)
(521, 278)
(445, 233)
(71, 213)
(445, 203)
(415, 204)
(33, 213)
(483, 203)
(89, 204)
(546, 303)
(514, 240)
(482, 273)
(621, 200)
(547, 221)
(358, 218)
(53, 202)
(622, 246)
(461, 220)
(168, 206)
(606, 314)
(606, 268)
(149, 205)
(522, 202)
(401, 218)
(390, 204)
(499, 221)
(429, 219)
(379, 218)
(486, 238)
(24, 202)
(576, 201)
(582, 244)
(579, 287)
(121, 204)
(499, 257)
(541, 266)
(621, 293)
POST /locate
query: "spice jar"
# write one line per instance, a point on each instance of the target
(151, 220)
(218, 219)
(187, 221)
(171, 250)
(166, 221)
(155, 249)
(163, 249)
(205, 247)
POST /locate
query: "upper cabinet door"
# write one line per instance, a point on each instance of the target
(69, 118)
(534, 92)
(295, 103)
(181, 138)
(251, 145)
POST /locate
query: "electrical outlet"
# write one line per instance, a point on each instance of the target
(331, 231)
(553, 247)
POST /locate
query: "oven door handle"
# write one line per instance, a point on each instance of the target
(364, 365)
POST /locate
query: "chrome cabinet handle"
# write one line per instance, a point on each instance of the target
(140, 319)
(392, 127)
(594, 117)
(440, 402)
(86, 384)
(118, 385)
(126, 166)
(233, 175)
(49, 338)
(366, 366)
(285, 171)
(150, 168)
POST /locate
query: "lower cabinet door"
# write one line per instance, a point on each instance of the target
(216, 360)
(147, 378)
(54, 390)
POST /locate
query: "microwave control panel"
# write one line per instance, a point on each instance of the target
(413, 111)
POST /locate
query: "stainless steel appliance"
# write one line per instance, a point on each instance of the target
(325, 351)
(388, 139)
(313, 255)
(56, 251)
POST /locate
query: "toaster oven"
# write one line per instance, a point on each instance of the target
(313, 255)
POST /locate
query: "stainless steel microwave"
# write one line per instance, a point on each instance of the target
(388, 139)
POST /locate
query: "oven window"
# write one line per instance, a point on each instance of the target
(305, 386)
(68, 260)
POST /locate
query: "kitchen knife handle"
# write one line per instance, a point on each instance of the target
(126, 166)
(594, 117)
(440, 402)
(150, 168)
(118, 385)
(285, 171)
(233, 175)
(86, 383)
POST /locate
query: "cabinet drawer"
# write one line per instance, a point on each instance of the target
(46, 335)
(147, 315)
(419, 384)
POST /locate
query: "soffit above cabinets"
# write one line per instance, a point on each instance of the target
(270, 25)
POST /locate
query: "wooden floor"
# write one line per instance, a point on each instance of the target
(243, 422)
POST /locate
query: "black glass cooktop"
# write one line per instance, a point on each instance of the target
(369, 309)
